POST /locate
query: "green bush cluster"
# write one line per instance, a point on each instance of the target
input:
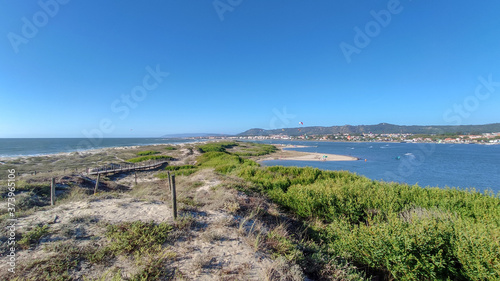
(223, 162)
(395, 230)
(216, 146)
(408, 232)
(184, 170)
(147, 152)
(33, 236)
(150, 157)
(170, 147)
(177, 168)
(127, 238)
(257, 149)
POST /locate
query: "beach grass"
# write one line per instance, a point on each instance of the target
(149, 157)
(147, 152)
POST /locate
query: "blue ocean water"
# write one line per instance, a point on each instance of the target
(33, 146)
(452, 165)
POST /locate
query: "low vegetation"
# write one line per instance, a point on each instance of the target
(147, 152)
(388, 229)
(216, 146)
(33, 236)
(149, 157)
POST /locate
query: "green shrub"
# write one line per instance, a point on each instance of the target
(216, 146)
(130, 237)
(223, 162)
(176, 168)
(170, 147)
(257, 149)
(33, 236)
(150, 157)
(400, 231)
(184, 170)
(147, 152)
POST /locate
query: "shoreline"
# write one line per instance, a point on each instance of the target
(292, 155)
(88, 151)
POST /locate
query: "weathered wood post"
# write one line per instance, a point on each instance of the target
(135, 174)
(174, 199)
(97, 183)
(35, 173)
(169, 181)
(52, 191)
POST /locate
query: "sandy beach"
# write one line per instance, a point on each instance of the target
(306, 156)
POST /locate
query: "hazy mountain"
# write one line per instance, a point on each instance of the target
(382, 128)
(193, 135)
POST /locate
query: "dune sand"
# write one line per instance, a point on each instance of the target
(307, 156)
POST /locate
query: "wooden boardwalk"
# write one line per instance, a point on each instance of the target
(114, 169)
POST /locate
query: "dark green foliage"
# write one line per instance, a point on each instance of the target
(150, 157)
(147, 152)
(256, 149)
(33, 236)
(170, 148)
(130, 237)
(400, 231)
(154, 270)
(223, 162)
(412, 233)
(216, 146)
(184, 170)
(176, 168)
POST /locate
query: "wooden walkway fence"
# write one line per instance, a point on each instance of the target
(114, 169)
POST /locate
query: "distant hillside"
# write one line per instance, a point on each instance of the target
(382, 128)
(192, 135)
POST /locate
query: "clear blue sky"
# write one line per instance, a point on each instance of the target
(231, 68)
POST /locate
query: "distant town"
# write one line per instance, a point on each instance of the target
(486, 138)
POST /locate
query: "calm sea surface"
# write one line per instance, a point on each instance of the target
(31, 147)
(453, 165)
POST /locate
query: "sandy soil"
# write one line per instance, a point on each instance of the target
(307, 156)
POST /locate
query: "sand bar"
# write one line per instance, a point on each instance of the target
(307, 156)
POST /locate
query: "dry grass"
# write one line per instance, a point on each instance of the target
(225, 228)
(282, 270)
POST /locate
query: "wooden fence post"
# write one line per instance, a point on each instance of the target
(97, 183)
(169, 181)
(174, 198)
(52, 191)
(135, 173)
